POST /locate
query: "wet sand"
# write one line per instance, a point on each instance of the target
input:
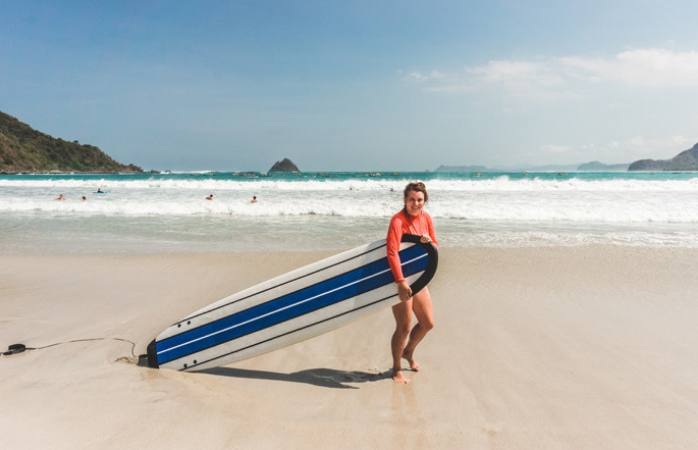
(546, 348)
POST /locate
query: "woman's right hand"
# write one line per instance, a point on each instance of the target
(404, 291)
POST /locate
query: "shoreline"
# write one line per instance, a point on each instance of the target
(545, 347)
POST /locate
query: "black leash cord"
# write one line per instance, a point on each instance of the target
(19, 348)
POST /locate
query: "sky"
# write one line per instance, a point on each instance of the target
(355, 85)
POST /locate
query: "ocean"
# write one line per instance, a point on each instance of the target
(334, 211)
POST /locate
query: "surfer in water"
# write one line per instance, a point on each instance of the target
(411, 220)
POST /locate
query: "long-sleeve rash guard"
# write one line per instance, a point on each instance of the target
(403, 223)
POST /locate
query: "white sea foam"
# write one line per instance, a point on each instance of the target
(503, 183)
(502, 210)
(502, 199)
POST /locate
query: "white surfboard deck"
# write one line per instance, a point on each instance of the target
(293, 307)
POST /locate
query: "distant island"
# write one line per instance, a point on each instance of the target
(285, 165)
(523, 168)
(685, 161)
(462, 169)
(23, 149)
(596, 166)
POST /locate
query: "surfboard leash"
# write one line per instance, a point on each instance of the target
(19, 348)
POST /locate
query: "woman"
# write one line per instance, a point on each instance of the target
(411, 220)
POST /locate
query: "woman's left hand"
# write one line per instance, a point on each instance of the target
(424, 239)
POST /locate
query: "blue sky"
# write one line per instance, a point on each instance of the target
(359, 85)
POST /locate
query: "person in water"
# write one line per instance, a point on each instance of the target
(210, 197)
(411, 220)
(60, 197)
(254, 199)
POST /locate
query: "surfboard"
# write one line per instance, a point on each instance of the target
(293, 307)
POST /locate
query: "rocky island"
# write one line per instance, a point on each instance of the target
(285, 165)
(685, 161)
(23, 149)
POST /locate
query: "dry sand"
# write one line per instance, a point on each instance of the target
(545, 348)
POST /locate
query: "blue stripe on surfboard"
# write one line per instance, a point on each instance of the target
(290, 306)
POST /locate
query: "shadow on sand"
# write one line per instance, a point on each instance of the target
(328, 378)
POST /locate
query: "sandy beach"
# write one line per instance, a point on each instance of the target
(589, 347)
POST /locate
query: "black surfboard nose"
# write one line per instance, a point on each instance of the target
(153, 356)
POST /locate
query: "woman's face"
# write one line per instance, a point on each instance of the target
(414, 202)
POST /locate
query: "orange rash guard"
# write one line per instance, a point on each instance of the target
(400, 224)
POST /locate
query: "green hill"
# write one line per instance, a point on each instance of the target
(23, 149)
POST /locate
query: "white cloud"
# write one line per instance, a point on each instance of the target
(415, 76)
(516, 74)
(555, 77)
(551, 148)
(651, 67)
(638, 147)
(655, 148)
(434, 75)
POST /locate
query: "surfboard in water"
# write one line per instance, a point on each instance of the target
(293, 307)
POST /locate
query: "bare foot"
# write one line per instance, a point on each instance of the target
(413, 364)
(399, 378)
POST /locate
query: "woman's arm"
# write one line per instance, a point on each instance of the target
(392, 246)
(432, 233)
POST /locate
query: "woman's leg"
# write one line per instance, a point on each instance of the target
(423, 309)
(403, 321)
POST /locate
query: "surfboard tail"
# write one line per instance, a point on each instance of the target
(431, 267)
